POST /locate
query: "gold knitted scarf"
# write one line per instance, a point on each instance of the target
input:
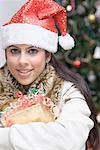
(49, 80)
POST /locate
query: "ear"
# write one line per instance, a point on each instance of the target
(48, 57)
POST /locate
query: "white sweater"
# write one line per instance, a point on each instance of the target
(69, 132)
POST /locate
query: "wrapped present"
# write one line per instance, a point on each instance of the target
(29, 108)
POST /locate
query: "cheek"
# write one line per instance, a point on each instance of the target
(38, 61)
(11, 61)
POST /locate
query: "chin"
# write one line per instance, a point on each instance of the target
(25, 82)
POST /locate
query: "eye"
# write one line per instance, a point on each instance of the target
(33, 51)
(14, 51)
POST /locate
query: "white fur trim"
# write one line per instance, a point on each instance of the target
(29, 34)
(2, 55)
(26, 34)
(66, 42)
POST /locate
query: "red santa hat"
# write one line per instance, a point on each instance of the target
(34, 24)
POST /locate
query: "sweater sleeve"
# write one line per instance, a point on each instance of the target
(70, 131)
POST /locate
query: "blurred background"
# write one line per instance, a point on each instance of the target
(8, 8)
(84, 26)
(84, 58)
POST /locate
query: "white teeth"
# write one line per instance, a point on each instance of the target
(24, 71)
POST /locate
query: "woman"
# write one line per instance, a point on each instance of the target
(29, 41)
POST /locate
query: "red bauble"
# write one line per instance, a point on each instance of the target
(77, 63)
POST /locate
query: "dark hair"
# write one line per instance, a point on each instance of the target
(79, 82)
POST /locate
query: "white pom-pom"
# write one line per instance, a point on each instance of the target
(66, 42)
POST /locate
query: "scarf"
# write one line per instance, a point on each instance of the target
(49, 80)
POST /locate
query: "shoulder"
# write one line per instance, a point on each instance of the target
(70, 92)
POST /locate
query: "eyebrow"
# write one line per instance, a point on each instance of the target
(12, 46)
(18, 47)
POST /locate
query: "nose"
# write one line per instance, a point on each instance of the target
(23, 59)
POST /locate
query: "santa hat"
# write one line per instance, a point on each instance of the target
(34, 24)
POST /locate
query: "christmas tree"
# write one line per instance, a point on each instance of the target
(84, 58)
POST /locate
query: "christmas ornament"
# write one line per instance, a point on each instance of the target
(92, 18)
(91, 76)
(76, 63)
(69, 8)
(96, 54)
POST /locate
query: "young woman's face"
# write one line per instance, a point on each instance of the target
(26, 62)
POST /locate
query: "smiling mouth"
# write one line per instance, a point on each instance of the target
(24, 73)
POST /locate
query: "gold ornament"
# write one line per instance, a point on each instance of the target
(91, 18)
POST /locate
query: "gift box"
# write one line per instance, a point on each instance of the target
(35, 113)
(31, 108)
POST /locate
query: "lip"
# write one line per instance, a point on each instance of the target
(24, 73)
